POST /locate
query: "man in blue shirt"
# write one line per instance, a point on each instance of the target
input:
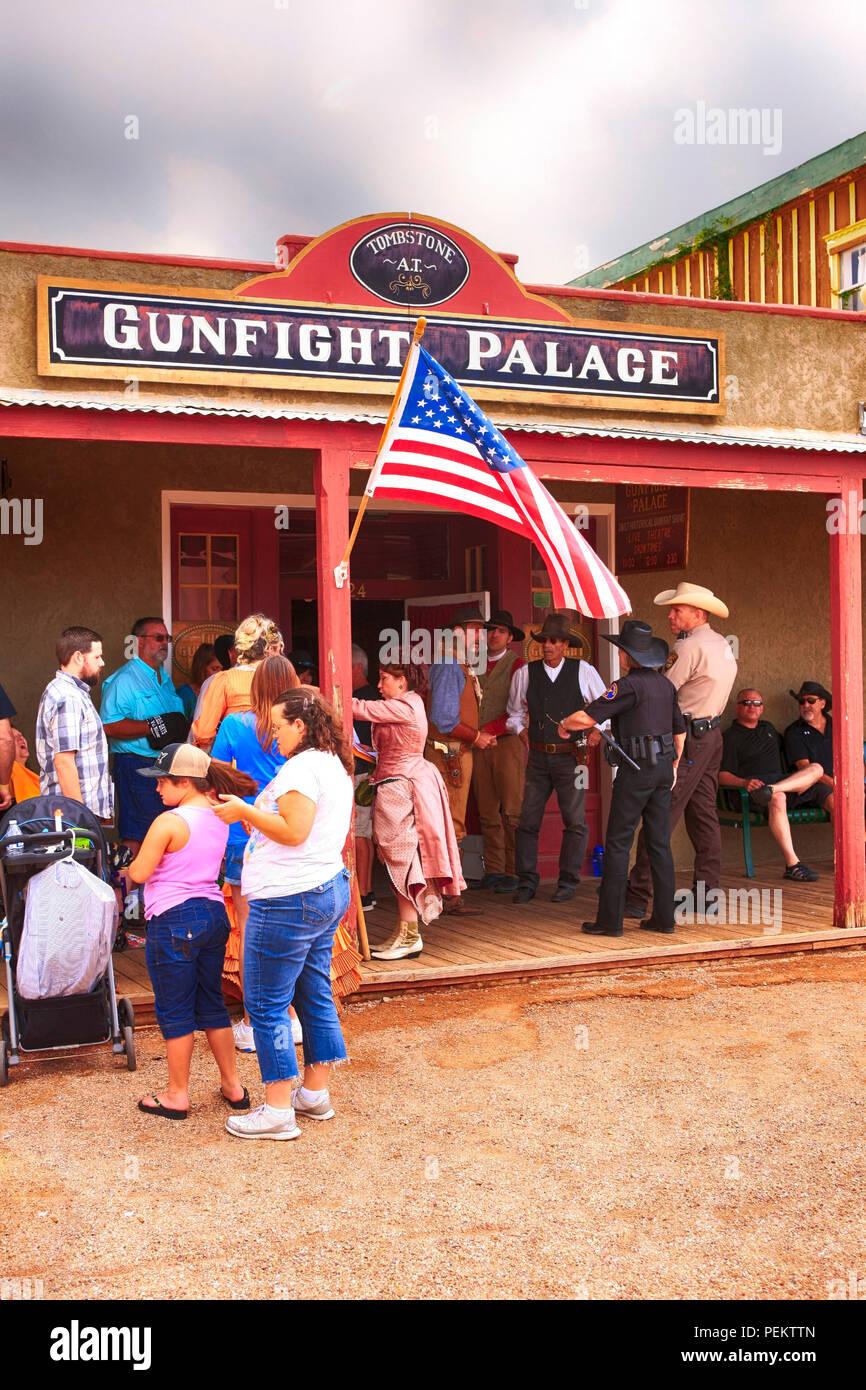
(142, 713)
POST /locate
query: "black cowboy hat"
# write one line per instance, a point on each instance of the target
(562, 626)
(813, 688)
(638, 642)
(502, 618)
(468, 613)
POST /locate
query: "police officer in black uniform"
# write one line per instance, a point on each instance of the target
(649, 726)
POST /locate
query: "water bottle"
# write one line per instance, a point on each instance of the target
(598, 861)
(13, 846)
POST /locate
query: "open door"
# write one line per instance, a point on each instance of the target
(434, 611)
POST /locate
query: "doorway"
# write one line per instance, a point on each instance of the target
(371, 618)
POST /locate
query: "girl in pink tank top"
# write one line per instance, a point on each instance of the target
(193, 870)
(187, 927)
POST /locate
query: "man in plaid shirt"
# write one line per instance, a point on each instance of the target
(70, 741)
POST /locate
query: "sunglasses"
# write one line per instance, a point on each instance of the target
(808, 700)
(157, 637)
(750, 702)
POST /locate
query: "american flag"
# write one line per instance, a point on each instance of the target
(443, 451)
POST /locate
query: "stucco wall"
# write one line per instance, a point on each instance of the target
(788, 372)
(100, 562)
(805, 373)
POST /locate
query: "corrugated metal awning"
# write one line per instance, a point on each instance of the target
(756, 438)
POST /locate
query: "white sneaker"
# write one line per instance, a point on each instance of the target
(245, 1040)
(406, 941)
(264, 1123)
(320, 1110)
(297, 1031)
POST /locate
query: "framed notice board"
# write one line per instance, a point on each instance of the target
(652, 528)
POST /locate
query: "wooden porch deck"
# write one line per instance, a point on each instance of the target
(543, 938)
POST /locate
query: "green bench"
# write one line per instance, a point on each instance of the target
(749, 815)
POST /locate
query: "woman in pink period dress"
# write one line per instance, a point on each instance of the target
(412, 824)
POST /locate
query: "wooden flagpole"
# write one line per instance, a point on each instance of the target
(341, 572)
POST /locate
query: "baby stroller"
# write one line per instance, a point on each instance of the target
(65, 1020)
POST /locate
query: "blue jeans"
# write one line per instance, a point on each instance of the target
(287, 960)
(184, 951)
(234, 862)
(138, 801)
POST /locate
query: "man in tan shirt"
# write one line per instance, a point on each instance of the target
(704, 673)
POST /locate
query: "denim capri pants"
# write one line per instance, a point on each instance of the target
(234, 863)
(287, 960)
(185, 950)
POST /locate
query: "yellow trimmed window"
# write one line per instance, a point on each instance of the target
(847, 251)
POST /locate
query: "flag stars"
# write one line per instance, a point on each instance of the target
(437, 424)
(428, 412)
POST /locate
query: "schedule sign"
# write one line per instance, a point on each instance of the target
(652, 528)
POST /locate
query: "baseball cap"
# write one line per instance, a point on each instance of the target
(178, 760)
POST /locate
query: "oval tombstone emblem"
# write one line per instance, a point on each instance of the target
(408, 263)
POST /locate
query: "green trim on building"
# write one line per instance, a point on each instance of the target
(730, 217)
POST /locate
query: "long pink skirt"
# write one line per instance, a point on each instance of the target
(396, 836)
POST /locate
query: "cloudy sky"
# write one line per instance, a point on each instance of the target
(544, 127)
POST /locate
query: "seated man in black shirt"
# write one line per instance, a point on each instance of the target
(752, 758)
(810, 740)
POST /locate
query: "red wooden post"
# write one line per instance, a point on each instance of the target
(331, 482)
(331, 485)
(846, 638)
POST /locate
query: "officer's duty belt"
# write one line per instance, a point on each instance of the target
(648, 745)
(699, 727)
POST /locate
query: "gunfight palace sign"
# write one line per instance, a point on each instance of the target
(108, 332)
(340, 317)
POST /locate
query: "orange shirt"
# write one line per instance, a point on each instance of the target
(24, 782)
(228, 693)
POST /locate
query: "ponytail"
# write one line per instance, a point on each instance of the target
(225, 780)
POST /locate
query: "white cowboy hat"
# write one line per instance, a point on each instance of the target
(695, 596)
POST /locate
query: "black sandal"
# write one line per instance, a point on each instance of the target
(242, 1104)
(160, 1109)
(799, 873)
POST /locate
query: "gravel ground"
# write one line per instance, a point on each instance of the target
(676, 1133)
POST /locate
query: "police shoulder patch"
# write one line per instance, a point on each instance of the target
(611, 693)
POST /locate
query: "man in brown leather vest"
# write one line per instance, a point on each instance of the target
(453, 707)
(498, 770)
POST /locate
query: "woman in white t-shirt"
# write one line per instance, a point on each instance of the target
(298, 889)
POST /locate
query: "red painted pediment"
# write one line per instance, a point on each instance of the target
(402, 261)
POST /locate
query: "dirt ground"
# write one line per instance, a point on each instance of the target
(683, 1132)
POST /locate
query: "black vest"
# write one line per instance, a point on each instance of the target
(556, 699)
